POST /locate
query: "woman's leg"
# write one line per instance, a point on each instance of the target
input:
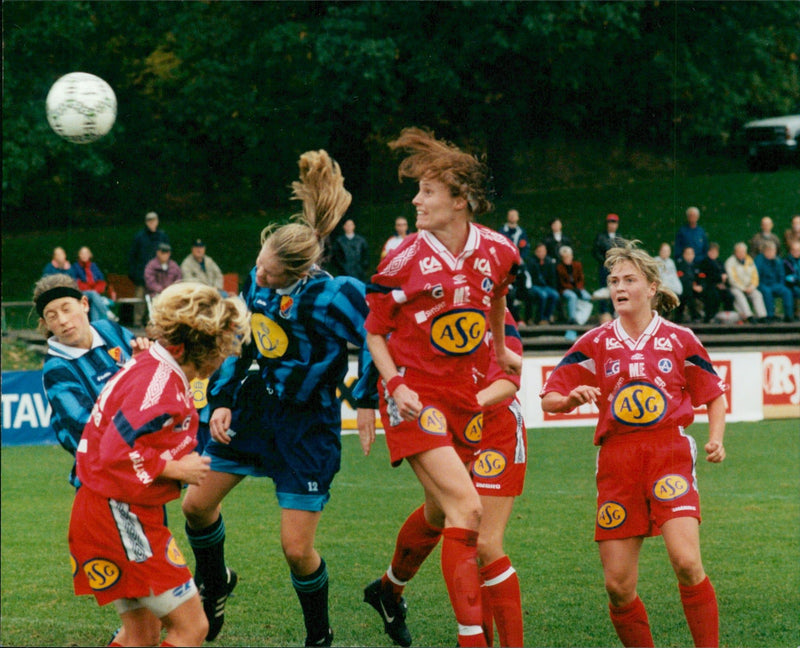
(186, 625)
(140, 627)
(620, 559)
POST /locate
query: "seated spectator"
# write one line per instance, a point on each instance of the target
(92, 283)
(556, 239)
(792, 234)
(763, 235)
(772, 282)
(542, 271)
(791, 270)
(691, 288)
(743, 280)
(572, 287)
(400, 233)
(668, 273)
(58, 264)
(161, 271)
(200, 267)
(715, 284)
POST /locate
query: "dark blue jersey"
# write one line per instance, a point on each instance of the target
(74, 377)
(300, 338)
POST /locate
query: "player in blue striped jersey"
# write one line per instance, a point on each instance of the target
(283, 420)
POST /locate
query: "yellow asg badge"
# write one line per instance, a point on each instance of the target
(473, 433)
(433, 421)
(101, 573)
(174, 555)
(73, 565)
(458, 332)
(271, 340)
(610, 515)
(640, 404)
(198, 387)
(490, 463)
(670, 487)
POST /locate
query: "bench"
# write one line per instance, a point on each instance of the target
(123, 292)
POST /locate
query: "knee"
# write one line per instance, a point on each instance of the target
(196, 515)
(299, 556)
(688, 569)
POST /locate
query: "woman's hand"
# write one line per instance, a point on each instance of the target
(408, 403)
(510, 362)
(219, 425)
(365, 419)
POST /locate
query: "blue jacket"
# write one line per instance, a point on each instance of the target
(770, 271)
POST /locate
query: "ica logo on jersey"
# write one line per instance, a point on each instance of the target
(490, 463)
(458, 332)
(101, 573)
(433, 421)
(610, 515)
(271, 340)
(670, 487)
(639, 403)
(474, 430)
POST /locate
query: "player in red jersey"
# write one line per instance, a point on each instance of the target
(645, 374)
(135, 452)
(429, 303)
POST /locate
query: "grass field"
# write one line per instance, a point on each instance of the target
(750, 537)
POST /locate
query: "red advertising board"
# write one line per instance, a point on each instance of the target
(781, 384)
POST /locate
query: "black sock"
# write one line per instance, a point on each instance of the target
(208, 545)
(312, 590)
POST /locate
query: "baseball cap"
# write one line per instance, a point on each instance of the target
(612, 217)
(151, 216)
(164, 247)
(198, 243)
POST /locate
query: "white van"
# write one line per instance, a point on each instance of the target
(772, 141)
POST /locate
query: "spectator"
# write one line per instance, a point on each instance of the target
(143, 249)
(667, 270)
(772, 282)
(763, 235)
(92, 283)
(350, 253)
(200, 267)
(714, 280)
(743, 280)
(793, 233)
(691, 288)
(556, 239)
(400, 233)
(58, 264)
(603, 242)
(161, 271)
(542, 271)
(571, 285)
(791, 269)
(520, 290)
(692, 235)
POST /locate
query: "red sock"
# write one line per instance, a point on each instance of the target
(415, 541)
(114, 643)
(164, 643)
(488, 620)
(460, 569)
(700, 607)
(500, 580)
(631, 624)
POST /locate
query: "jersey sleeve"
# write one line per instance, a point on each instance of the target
(347, 311)
(577, 367)
(702, 381)
(71, 404)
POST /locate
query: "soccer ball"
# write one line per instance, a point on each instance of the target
(81, 107)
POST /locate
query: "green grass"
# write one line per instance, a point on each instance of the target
(651, 210)
(750, 538)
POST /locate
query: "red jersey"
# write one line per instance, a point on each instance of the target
(434, 304)
(645, 384)
(144, 417)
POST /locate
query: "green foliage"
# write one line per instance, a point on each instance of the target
(750, 542)
(216, 100)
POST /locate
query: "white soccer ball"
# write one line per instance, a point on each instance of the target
(81, 107)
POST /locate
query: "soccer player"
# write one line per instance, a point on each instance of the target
(429, 305)
(136, 451)
(284, 421)
(645, 374)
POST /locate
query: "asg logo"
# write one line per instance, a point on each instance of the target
(473, 433)
(458, 332)
(101, 573)
(490, 463)
(483, 266)
(432, 421)
(662, 344)
(670, 487)
(429, 265)
(174, 555)
(640, 404)
(610, 515)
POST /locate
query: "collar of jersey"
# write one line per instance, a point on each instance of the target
(637, 345)
(455, 262)
(60, 350)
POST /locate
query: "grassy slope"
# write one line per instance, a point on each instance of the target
(750, 546)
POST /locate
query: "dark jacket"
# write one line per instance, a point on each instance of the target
(143, 249)
(350, 257)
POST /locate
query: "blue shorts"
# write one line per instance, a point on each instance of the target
(296, 445)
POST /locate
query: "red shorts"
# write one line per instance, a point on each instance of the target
(643, 480)
(120, 550)
(450, 417)
(499, 468)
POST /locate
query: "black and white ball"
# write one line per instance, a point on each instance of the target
(81, 107)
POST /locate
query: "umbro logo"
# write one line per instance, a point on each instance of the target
(429, 265)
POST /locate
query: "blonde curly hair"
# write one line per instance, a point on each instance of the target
(664, 300)
(209, 327)
(299, 245)
(465, 175)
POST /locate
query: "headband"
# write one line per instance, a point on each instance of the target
(55, 293)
